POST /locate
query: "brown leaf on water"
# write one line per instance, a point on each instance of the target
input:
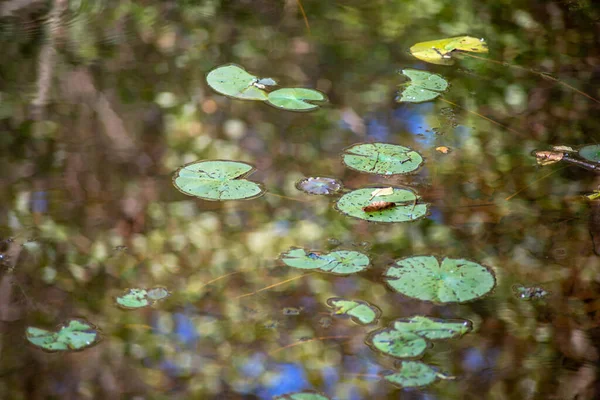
(547, 157)
(379, 206)
(443, 149)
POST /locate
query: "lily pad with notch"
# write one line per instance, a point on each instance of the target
(423, 86)
(414, 374)
(339, 262)
(319, 185)
(447, 281)
(135, 298)
(296, 99)
(74, 334)
(408, 337)
(306, 395)
(406, 206)
(216, 180)
(381, 158)
(441, 51)
(234, 81)
(361, 312)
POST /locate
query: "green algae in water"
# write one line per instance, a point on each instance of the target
(136, 298)
(423, 86)
(216, 180)
(407, 207)
(448, 281)
(408, 337)
(382, 158)
(73, 335)
(413, 374)
(296, 99)
(306, 395)
(234, 81)
(361, 312)
(341, 262)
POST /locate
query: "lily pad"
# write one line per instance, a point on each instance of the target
(217, 180)
(423, 86)
(234, 81)
(306, 395)
(406, 208)
(448, 281)
(414, 374)
(590, 153)
(407, 338)
(139, 298)
(440, 51)
(73, 335)
(296, 99)
(340, 262)
(319, 186)
(381, 158)
(361, 312)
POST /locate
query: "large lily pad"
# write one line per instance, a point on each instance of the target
(407, 338)
(361, 312)
(440, 51)
(341, 262)
(414, 374)
(448, 281)
(73, 335)
(139, 298)
(423, 86)
(217, 180)
(590, 153)
(319, 185)
(406, 205)
(381, 158)
(234, 81)
(296, 99)
(306, 395)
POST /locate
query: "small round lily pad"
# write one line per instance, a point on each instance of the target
(216, 180)
(381, 158)
(139, 298)
(306, 395)
(447, 281)
(590, 153)
(73, 335)
(319, 185)
(340, 262)
(296, 99)
(414, 374)
(423, 86)
(361, 312)
(406, 205)
(234, 81)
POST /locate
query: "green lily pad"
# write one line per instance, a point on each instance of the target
(407, 206)
(448, 281)
(234, 81)
(306, 395)
(217, 180)
(408, 338)
(340, 262)
(296, 99)
(590, 153)
(414, 374)
(73, 335)
(440, 51)
(381, 158)
(139, 298)
(423, 86)
(361, 312)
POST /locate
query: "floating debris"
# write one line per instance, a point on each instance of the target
(319, 186)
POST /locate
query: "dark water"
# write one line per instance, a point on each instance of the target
(101, 101)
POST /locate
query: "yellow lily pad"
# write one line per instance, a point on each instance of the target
(440, 51)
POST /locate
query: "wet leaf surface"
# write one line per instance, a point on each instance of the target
(341, 262)
(382, 158)
(361, 312)
(440, 51)
(73, 335)
(407, 206)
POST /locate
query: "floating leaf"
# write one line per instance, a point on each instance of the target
(452, 280)
(407, 207)
(140, 298)
(361, 312)
(234, 81)
(443, 149)
(296, 99)
(73, 335)
(381, 158)
(440, 51)
(217, 180)
(341, 262)
(414, 374)
(590, 153)
(319, 185)
(382, 192)
(530, 293)
(547, 157)
(405, 338)
(306, 395)
(423, 86)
